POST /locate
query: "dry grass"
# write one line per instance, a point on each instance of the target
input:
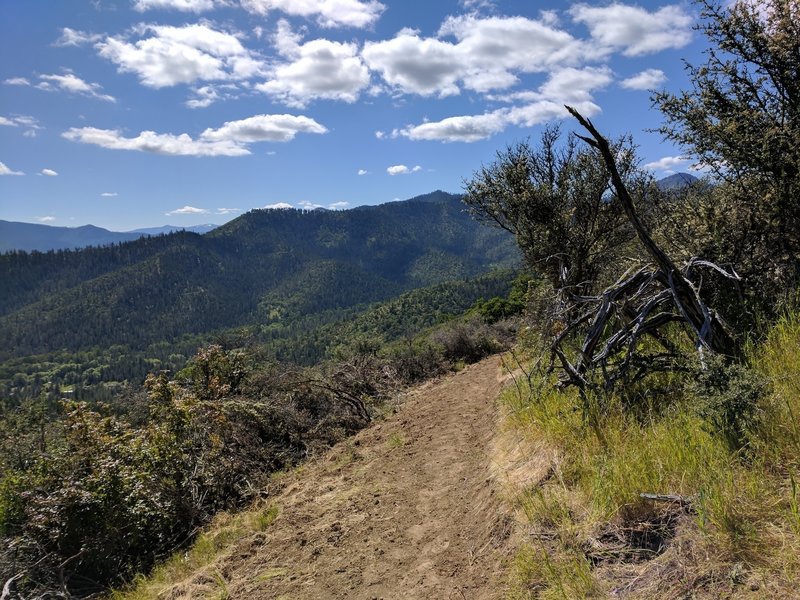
(592, 534)
(201, 556)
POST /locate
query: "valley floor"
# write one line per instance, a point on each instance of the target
(405, 509)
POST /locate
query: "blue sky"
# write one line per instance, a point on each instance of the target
(134, 113)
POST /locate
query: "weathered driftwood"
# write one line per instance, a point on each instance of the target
(641, 303)
(671, 498)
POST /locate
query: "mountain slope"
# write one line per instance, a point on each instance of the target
(160, 288)
(28, 237)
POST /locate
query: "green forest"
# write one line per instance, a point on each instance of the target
(653, 335)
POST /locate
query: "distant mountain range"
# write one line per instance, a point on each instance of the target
(31, 236)
(676, 181)
(263, 269)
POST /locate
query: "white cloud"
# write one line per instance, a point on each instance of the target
(667, 164)
(318, 69)
(278, 206)
(203, 96)
(17, 81)
(380, 134)
(564, 86)
(229, 140)
(175, 55)
(488, 54)
(263, 128)
(477, 4)
(47, 219)
(73, 84)
(402, 169)
(187, 210)
(308, 205)
(49, 173)
(329, 13)
(570, 86)
(157, 143)
(363, 172)
(228, 211)
(465, 128)
(633, 29)
(206, 95)
(195, 6)
(646, 80)
(4, 170)
(21, 121)
(109, 194)
(338, 205)
(74, 37)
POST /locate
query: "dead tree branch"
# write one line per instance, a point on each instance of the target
(642, 302)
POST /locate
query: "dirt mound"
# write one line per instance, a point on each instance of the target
(405, 509)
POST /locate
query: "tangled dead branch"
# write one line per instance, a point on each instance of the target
(640, 303)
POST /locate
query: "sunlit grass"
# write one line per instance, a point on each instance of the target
(744, 505)
(218, 537)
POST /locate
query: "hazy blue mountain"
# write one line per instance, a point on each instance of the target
(31, 236)
(676, 181)
(201, 229)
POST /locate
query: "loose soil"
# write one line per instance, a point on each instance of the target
(408, 508)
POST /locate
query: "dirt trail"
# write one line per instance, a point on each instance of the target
(405, 509)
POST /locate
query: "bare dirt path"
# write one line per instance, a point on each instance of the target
(405, 509)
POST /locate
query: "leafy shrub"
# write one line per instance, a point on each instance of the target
(730, 394)
(469, 341)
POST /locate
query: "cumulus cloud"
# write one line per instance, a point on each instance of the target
(109, 194)
(69, 82)
(564, 86)
(487, 55)
(195, 6)
(328, 13)
(229, 140)
(633, 29)
(264, 128)
(402, 170)
(206, 95)
(317, 69)
(228, 211)
(338, 205)
(75, 37)
(157, 143)
(49, 173)
(48, 219)
(278, 206)
(668, 164)
(362, 171)
(17, 81)
(167, 55)
(4, 170)
(187, 210)
(464, 128)
(646, 80)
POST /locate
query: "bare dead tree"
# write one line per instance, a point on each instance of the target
(640, 303)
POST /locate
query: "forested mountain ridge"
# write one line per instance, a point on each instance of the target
(30, 237)
(159, 288)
